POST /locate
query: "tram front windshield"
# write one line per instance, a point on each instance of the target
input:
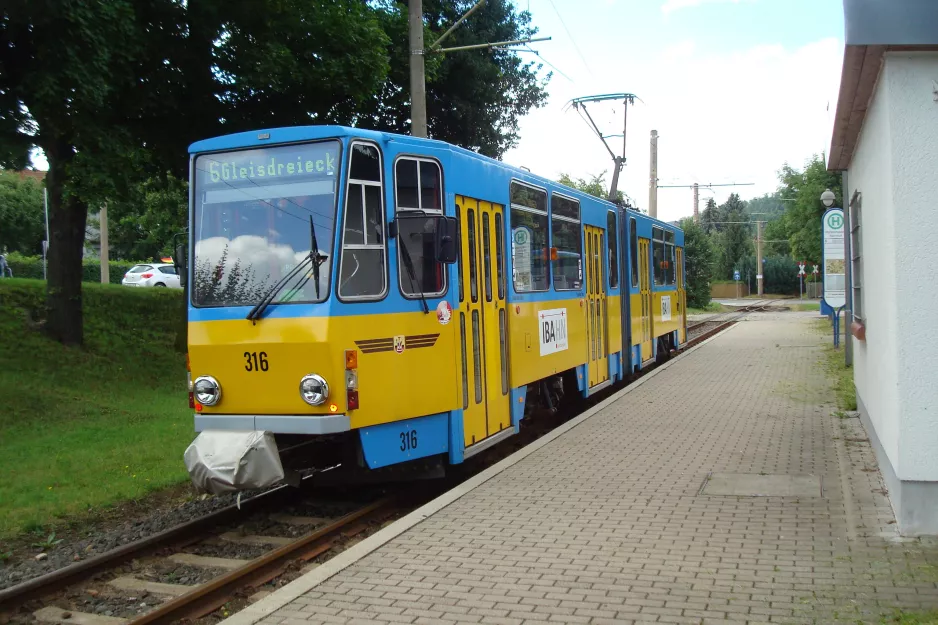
(252, 213)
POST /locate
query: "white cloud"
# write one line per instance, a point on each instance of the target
(720, 117)
(675, 5)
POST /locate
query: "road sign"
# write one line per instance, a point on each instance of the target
(832, 223)
(800, 269)
(815, 272)
(736, 275)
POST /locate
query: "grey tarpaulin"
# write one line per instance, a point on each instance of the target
(220, 462)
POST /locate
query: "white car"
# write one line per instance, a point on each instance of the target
(153, 274)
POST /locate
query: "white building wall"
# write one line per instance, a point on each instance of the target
(875, 364)
(913, 121)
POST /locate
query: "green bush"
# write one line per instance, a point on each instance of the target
(115, 317)
(31, 267)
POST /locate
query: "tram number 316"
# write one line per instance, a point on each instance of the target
(409, 440)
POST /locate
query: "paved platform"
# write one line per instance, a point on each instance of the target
(609, 519)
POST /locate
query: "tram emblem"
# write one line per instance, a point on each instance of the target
(399, 343)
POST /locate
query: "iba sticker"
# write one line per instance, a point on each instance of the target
(666, 308)
(553, 330)
(399, 343)
(444, 312)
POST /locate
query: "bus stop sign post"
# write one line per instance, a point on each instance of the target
(834, 265)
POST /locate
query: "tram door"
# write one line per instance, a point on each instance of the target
(681, 297)
(596, 306)
(483, 320)
(644, 286)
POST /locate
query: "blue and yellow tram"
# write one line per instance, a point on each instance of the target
(406, 298)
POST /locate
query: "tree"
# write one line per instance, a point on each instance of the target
(143, 225)
(710, 214)
(698, 262)
(596, 185)
(802, 220)
(474, 97)
(22, 222)
(736, 238)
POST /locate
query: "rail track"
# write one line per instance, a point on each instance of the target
(145, 597)
(41, 599)
(707, 327)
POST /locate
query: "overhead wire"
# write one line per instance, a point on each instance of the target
(572, 40)
(548, 63)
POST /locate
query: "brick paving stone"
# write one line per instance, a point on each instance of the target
(605, 524)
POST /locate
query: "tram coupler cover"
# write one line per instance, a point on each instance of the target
(224, 461)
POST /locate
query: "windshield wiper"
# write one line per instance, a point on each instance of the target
(313, 257)
(255, 313)
(409, 265)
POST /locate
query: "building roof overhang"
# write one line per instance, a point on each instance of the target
(874, 27)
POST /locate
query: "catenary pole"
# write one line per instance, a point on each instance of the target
(418, 84)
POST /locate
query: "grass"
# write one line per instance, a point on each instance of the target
(913, 618)
(85, 428)
(805, 306)
(712, 307)
(841, 376)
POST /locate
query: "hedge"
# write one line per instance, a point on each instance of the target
(31, 267)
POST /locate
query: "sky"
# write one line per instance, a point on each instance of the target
(735, 89)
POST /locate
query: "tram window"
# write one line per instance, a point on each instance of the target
(366, 164)
(462, 296)
(566, 243)
(669, 272)
(529, 227)
(473, 278)
(499, 255)
(362, 272)
(487, 256)
(612, 236)
(633, 245)
(418, 187)
(658, 256)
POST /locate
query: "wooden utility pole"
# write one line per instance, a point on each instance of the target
(105, 266)
(418, 81)
(653, 177)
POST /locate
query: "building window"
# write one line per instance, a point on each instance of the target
(529, 257)
(856, 253)
(362, 273)
(613, 237)
(418, 189)
(658, 256)
(566, 243)
(633, 250)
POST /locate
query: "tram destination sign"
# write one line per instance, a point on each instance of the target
(832, 225)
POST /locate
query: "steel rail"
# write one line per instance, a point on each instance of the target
(181, 534)
(211, 595)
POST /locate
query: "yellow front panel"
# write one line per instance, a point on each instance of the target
(416, 380)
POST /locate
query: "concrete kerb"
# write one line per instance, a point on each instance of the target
(300, 586)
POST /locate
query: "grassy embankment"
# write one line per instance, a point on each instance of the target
(85, 428)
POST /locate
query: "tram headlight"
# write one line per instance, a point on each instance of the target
(314, 390)
(207, 390)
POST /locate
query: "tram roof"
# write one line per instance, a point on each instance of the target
(296, 134)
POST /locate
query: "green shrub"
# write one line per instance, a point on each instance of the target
(115, 317)
(31, 267)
